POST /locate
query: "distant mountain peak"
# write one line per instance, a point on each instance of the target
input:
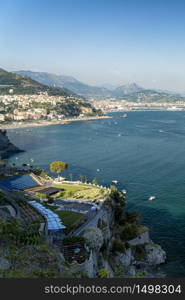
(132, 84)
(127, 89)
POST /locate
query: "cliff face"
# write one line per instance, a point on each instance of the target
(114, 246)
(6, 147)
(119, 247)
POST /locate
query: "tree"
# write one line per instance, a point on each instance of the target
(95, 181)
(58, 166)
(81, 177)
(129, 232)
(86, 179)
(118, 246)
(71, 176)
(9, 229)
(132, 216)
(24, 165)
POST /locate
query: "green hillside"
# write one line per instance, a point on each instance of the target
(21, 85)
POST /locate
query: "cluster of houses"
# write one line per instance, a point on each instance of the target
(30, 107)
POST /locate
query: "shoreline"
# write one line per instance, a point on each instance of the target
(16, 125)
(50, 123)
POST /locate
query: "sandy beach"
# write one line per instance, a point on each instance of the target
(15, 125)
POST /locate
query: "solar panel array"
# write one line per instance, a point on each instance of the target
(20, 182)
(53, 221)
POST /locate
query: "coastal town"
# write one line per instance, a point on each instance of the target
(42, 107)
(114, 105)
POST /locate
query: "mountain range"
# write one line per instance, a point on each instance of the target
(67, 82)
(79, 87)
(29, 82)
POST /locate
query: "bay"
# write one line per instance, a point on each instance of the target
(145, 153)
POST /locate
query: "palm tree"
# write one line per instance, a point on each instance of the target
(86, 179)
(95, 181)
(81, 177)
(71, 176)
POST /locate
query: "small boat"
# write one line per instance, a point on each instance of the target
(151, 198)
(125, 116)
(124, 191)
(115, 181)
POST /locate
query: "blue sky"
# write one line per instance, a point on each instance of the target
(97, 41)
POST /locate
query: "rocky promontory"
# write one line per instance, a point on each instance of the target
(118, 245)
(6, 147)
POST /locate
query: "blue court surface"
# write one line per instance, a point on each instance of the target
(20, 182)
(53, 221)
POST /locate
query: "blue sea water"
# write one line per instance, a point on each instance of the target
(145, 153)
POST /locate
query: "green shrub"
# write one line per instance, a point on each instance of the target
(140, 274)
(45, 273)
(129, 232)
(102, 273)
(118, 246)
(41, 196)
(132, 216)
(119, 272)
(139, 252)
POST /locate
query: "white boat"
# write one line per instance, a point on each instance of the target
(124, 191)
(125, 116)
(151, 198)
(115, 181)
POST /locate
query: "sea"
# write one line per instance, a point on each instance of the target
(145, 153)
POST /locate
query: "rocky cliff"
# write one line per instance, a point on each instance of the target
(114, 245)
(6, 147)
(119, 246)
